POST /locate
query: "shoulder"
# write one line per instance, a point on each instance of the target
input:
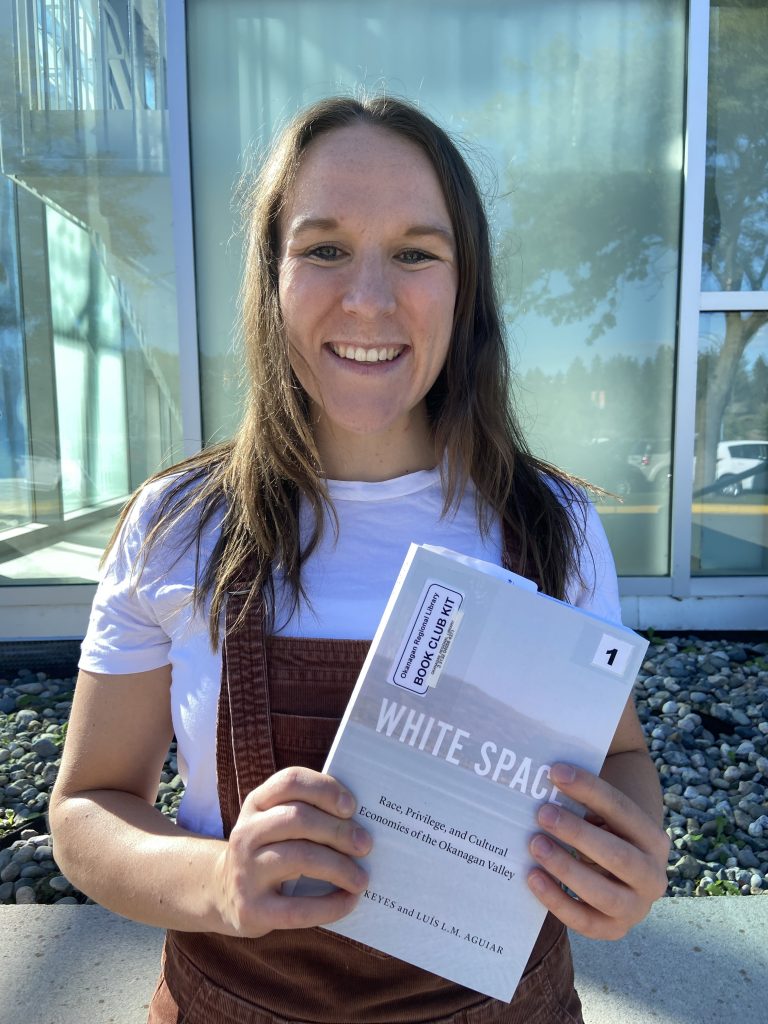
(166, 516)
(571, 496)
(161, 498)
(181, 496)
(152, 503)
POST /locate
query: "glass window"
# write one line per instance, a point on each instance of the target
(730, 500)
(573, 111)
(730, 507)
(89, 385)
(16, 468)
(736, 197)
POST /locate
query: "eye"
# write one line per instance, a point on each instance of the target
(414, 256)
(327, 253)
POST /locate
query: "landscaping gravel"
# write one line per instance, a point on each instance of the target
(703, 704)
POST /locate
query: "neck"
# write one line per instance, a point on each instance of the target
(373, 457)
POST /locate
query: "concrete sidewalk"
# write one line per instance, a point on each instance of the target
(693, 961)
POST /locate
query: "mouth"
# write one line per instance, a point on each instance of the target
(358, 354)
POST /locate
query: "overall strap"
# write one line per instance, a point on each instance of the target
(244, 752)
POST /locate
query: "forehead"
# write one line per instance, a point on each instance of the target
(366, 169)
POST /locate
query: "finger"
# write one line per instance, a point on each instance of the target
(620, 813)
(279, 862)
(607, 896)
(305, 785)
(297, 820)
(310, 911)
(611, 852)
(580, 917)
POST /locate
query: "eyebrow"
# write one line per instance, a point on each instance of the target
(313, 224)
(331, 224)
(420, 230)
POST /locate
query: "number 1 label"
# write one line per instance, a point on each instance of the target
(612, 654)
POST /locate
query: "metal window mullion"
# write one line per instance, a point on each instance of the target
(131, 62)
(46, 47)
(100, 81)
(17, 242)
(161, 68)
(93, 69)
(41, 22)
(61, 57)
(690, 290)
(74, 36)
(18, 19)
(728, 586)
(21, 43)
(183, 230)
(67, 54)
(645, 586)
(55, 24)
(733, 302)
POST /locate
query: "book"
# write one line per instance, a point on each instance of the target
(474, 685)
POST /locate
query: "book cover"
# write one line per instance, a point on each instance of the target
(474, 685)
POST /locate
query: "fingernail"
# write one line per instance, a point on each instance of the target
(360, 839)
(362, 880)
(562, 774)
(347, 804)
(548, 816)
(537, 883)
(542, 847)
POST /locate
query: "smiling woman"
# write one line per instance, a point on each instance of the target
(242, 588)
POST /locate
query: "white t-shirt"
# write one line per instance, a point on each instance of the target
(142, 616)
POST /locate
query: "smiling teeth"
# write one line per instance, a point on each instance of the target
(366, 355)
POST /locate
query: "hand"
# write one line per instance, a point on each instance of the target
(621, 867)
(295, 823)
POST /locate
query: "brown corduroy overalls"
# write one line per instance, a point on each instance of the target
(280, 704)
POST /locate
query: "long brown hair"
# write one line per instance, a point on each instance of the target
(258, 478)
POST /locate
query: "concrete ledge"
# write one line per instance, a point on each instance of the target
(693, 961)
(75, 965)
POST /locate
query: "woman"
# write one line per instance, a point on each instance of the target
(242, 587)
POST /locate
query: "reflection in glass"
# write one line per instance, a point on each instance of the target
(89, 342)
(574, 110)
(90, 385)
(736, 198)
(15, 467)
(730, 499)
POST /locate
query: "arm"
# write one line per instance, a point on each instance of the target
(629, 768)
(114, 845)
(621, 869)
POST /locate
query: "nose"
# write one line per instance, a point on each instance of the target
(369, 293)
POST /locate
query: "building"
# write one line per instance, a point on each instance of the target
(623, 147)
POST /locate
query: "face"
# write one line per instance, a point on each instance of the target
(367, 284)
